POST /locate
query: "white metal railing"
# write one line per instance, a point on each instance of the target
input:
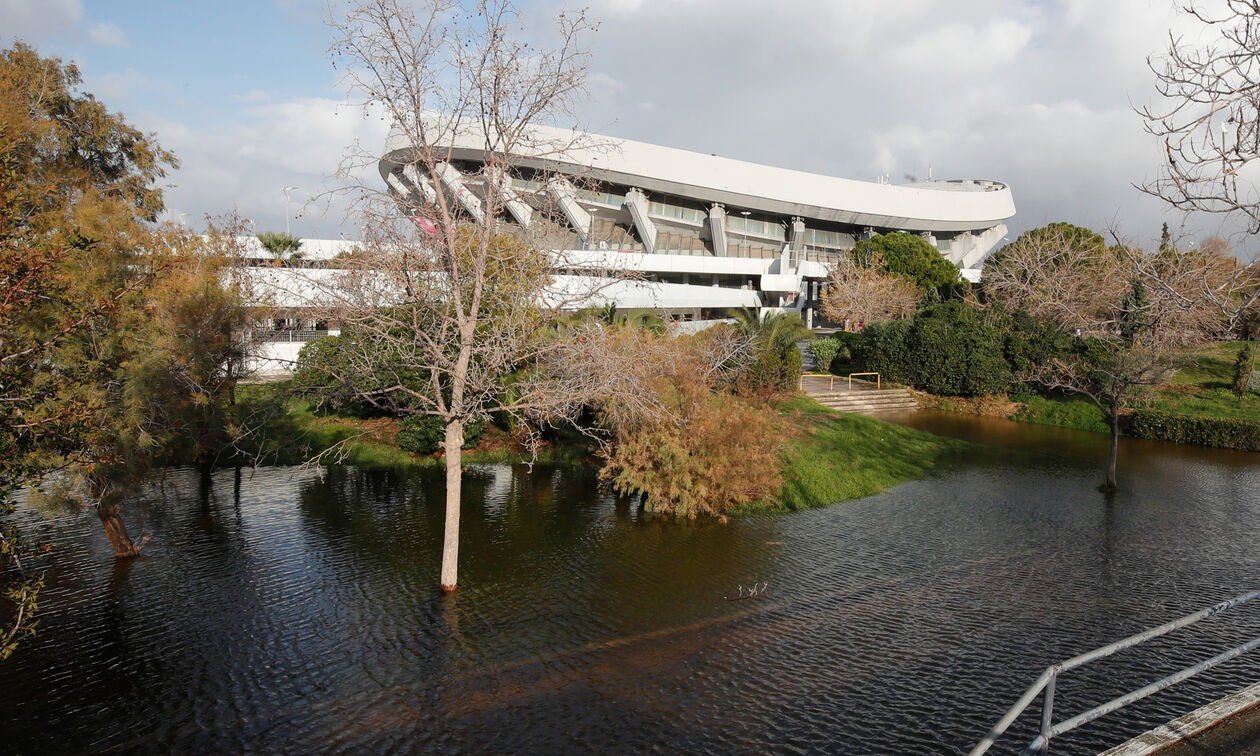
(1041, 744)
(295, 335)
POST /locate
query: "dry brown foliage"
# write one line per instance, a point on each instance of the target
(865, 293)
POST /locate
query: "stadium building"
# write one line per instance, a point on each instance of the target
(704, 233)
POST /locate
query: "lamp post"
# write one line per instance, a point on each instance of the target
(745, 214)
(286, 208)
(590, 230)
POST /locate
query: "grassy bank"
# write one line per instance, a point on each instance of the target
(833, 456)
(829, 456)
(1200, 388)
(293, 433)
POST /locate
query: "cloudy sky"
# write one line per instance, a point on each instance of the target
(1037, 93)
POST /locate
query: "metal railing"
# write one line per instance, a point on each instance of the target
(877, 383)
(295, 335)
(833, 379)
(1041, 744)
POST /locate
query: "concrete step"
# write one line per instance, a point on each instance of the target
(868, 402)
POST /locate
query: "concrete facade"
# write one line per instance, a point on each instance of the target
(702, 231)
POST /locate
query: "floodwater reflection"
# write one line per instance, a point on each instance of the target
(289, 610)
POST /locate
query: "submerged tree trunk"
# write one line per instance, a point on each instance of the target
(450, 543)
(116, 531)
(1114, 418)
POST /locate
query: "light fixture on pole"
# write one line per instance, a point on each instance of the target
(590, 230)
(286, 208)
(745, 214)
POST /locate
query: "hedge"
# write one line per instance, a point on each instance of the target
(1225, 433)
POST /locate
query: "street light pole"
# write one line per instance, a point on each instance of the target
(286, 208)
(590, 231)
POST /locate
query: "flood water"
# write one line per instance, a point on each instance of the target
(284, 610)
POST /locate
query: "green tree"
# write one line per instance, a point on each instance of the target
(113, 332)
(1244, 365)
(824, 351)
(776, 363)
(77, 185)
(911, 256)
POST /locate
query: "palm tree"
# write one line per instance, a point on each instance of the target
(778, 331)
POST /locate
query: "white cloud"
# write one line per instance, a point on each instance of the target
(244, 165)
(115, 87)
(955, 46)
(1036, 94)
(24, 18)
(107, 34)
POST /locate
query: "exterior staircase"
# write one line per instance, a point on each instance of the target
(868, 401)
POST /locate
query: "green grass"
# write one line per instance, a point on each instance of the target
(1065, 412)
(1201, 387)
(837, 456)
(293, 433)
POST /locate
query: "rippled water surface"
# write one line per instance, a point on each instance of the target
(282, 610)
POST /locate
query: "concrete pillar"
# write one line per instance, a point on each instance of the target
(421, 182)
(566, 197)
(453, 180)
(637, 201)
(717, 229)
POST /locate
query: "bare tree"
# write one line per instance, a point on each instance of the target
(441, 304)
(1131, 313)
(866, 293)
(1210, 122)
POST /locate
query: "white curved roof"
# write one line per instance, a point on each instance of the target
(933, 206)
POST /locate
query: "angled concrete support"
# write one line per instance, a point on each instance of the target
(566, 197)
(523, 213)
(717, 229)
(636, 200)
(421, 182)
(453, 180)
(982, 244)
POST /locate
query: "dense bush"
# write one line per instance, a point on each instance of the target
(718, 454)
(320, 365)
(1226, 433)
(424, 434)
(911, 256)
(824, 350)
(1030, 343)
(849, 343)
(945, 349)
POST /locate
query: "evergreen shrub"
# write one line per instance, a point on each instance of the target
(824, 350)
(1225, 433)
(424, 434)
(945, 349)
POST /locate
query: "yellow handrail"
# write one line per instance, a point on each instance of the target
(877, 384)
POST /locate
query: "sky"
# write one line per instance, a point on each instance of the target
(1039, 94)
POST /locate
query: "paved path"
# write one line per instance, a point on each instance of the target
(825, 384)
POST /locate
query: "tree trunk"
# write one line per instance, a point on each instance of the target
(1115, 447)
(450, 543)
(116, 530)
